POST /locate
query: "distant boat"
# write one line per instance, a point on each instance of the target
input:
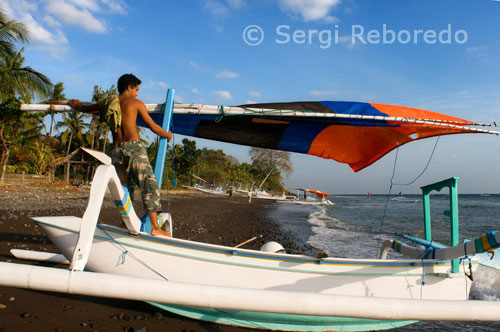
(320, 198)
(214, 190)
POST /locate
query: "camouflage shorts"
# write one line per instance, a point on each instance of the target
(132, 164)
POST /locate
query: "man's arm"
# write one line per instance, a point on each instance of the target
(83, 107)
(143, 112)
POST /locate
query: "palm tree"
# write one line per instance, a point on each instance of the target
(56, 95)
(101, 129)
(20, 80)
(10, 32)
(74, 123)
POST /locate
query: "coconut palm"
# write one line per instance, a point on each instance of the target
(21, 80)
(57, 94)
(11, 32)
(101, 129)
(74, 123)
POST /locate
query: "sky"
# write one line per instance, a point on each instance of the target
(435, 55)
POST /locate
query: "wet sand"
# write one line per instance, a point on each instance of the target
(197, 216)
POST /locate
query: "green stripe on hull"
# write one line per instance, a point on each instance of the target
(281, 322)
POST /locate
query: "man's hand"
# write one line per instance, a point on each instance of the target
(169, 136)
(74, 103)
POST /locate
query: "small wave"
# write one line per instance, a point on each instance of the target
(321, 218)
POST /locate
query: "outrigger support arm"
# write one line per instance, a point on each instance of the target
(105, 177)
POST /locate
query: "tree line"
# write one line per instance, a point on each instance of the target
(25, 147)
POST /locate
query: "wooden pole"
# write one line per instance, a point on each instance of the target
(249, 240)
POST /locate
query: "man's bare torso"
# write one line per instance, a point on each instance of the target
(128, 129)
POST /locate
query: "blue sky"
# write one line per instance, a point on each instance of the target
(198, 48)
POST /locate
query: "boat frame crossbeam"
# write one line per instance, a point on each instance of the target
(105, 177)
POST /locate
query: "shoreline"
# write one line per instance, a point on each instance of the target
(196, 216)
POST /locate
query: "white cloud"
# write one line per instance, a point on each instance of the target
(220, 9)
(310, 10)
(160, 84)
(53, 43)
(223, 94)
(322, 93)
(74, 16)
(47, 19)
(86, 4)
(227, 74)
(477, 51)
(194, 65)
(195, 91)
(216, 9)
(255, 94)
(236, 3)
(52, 21)
(116, 6)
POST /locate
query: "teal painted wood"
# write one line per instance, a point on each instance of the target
(281, 322)
(452, 185)
(454, 221)
(427, 218)
(162, 147)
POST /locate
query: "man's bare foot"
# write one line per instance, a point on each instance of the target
(161, 232)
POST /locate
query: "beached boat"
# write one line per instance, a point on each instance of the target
(273, 290)
(216, 190)
(303, 199)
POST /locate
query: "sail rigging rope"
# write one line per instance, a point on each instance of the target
(392, 183)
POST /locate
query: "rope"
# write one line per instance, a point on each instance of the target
(222, 114)
(425, 168)
(400, 184)
(126, 253)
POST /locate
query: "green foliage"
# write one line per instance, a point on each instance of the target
(267, 166)
(19, 139)
(10, 109)
(57, 93)
(100, 94)
(11, 32)
(186, 158)
(74, 125)
(214, 166)
(21, 80)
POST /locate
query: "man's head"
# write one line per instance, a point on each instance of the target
(127, 80)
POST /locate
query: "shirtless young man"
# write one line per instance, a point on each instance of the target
(129, 154)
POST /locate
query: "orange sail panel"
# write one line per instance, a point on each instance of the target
(354, 133)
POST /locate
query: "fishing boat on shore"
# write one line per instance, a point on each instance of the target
(268, 289)
(305, 200)
(215, 190)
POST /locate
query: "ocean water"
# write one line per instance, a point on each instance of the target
(357, 224)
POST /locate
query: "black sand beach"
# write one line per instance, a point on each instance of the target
(196, 216)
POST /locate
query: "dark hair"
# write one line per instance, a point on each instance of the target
(127, 79)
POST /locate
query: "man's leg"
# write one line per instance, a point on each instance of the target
(143, 173)
(157, 230)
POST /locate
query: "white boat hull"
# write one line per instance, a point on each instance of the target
(115, 251)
